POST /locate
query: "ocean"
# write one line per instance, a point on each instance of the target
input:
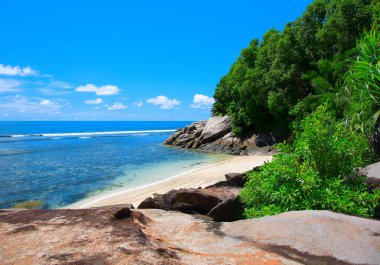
(60, 163)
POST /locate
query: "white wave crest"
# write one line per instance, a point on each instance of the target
(92, 133)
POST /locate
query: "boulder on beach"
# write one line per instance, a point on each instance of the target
(201, 201)
(159, 201)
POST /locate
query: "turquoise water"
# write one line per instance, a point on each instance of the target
(60, 163)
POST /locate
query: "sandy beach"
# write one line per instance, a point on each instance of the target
(200, 177)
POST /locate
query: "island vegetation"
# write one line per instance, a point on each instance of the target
(316, 83)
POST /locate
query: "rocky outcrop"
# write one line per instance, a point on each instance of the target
(215, 128)
(124, 236)
(215, 135)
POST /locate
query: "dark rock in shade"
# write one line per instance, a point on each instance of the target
(236, 178)
(235, 181)
(184, 207)
(203, 200)
(223, 183)
(215, 135)
(159, 201)
(195, 200)
(228, 210)
(148, 203)
(265, 139)
(123, 213)
(232, 180)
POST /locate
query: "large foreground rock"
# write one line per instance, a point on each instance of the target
(311, 236)
(308, 237)
(215, 135)
(124, 236)
(85, 236)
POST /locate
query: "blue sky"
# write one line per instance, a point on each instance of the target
(124, 60)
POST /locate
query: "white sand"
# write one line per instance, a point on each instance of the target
(200, 177)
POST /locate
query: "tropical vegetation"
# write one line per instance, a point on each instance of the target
(317, 83)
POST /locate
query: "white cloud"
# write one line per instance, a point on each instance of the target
(16, 70)
(100, 91)
(50, 104)
(164, 102)
(202, 101)
(9, 85)
(60, 84)
(117, 106)
(19, 103)
(93, 101)
(46, 102)
(55, 88)
(47, 75)
(49, 91)
(138, 104)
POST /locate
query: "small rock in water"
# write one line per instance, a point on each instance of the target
(29, 205)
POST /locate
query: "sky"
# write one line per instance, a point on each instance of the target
(125, 60)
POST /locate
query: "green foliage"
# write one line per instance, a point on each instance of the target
(306, 60)
(363, 84)
(333, 149)
(305, 77)
(315, 173)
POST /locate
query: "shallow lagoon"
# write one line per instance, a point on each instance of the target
(59, 167)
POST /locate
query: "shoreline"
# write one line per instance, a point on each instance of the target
(199, 177)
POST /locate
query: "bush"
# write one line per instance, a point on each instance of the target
(316, 173)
